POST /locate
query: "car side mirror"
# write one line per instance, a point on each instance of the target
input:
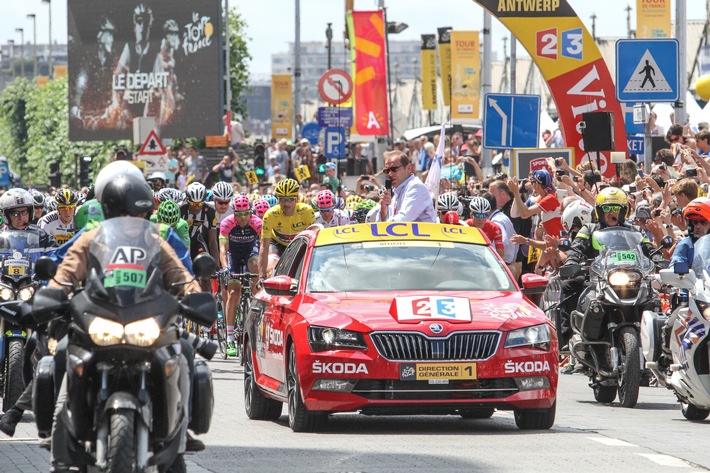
(533, 283)
(204, 266)
(282, 285)
(200, 307)
(45, 268)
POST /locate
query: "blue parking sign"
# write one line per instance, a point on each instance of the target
(4, 174)
(335, 143)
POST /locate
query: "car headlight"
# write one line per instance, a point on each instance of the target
(104, 332)
(7, 294)
(624, 278)
(329, 338)
(142, 333)
(26, 293)
(537, 336)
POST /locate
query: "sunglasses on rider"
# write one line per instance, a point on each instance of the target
(477, 215)
(17, 213)
(703, 223)
(221, 202)
(611, 208)
(326, 210)
(65, 207)
(287, 199)
(242, 214)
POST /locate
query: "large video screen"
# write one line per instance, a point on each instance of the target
(152, 58)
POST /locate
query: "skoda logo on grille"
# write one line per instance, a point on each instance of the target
(436, 328)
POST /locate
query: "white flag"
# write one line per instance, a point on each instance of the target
(434, 175)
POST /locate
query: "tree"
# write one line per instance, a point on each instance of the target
(13, 127)
(239, 58)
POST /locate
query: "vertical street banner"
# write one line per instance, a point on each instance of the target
(144, 58)
(281, 106)
(571, 63)
(465, 74)
(428, 62)
(371, 117)
(445, 62)
(653, 18)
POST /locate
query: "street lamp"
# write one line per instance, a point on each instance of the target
(11, 42)
(393, 27)
(49, 59)
(329, 45)
(33, 17)
(22, 50)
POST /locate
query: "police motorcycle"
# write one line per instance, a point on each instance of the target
(675, 343)
(607, 320)
(129, 400)
(19, 250)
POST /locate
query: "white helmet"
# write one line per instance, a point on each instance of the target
(576, 215)
(449, 202)
(196, 192)
(111, 171)
(222, 191)
(15, 198)
(480, 205)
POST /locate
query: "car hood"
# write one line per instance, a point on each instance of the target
(490, 310)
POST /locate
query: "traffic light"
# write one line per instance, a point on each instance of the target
(321, 169)
(84, 171)
(55, 177)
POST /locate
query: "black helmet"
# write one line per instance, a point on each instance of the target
(127, 195)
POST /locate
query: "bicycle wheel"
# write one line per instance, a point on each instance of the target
(221, 329)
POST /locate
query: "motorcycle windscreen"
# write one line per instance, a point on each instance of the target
(19, 250)
(620, 245)
(701, 259)
(124, 266)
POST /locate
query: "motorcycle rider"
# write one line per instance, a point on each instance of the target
(123, 194)
(611, 209)
(697, 219)
(17, 206)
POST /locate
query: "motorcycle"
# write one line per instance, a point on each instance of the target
(606, 323)
(129, 399)
(675, 343)
(19, 249)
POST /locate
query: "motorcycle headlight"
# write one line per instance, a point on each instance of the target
(26, 293)
(142, 333)
(6, 294)
(624, 278)
(104, 332)
(537, 336)
(329, 338)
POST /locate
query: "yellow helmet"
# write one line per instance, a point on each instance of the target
(353, 198)
(611, 196)
(302, 199)
(254, 196)
(65, 197)
(287, 188)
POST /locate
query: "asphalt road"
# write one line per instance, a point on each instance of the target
(586, 437)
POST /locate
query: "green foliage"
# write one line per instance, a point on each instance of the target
(13, 127)
(239, 58)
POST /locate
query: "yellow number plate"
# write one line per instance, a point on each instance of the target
(16, 270)
(430, 371)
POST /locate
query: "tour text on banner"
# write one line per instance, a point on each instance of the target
(465, 74)
(281, 106)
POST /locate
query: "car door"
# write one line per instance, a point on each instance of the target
(272, 332)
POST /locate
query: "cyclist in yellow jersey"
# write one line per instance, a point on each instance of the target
(281, 223)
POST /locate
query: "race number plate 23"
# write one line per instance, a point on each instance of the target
(453, 309)
(436, 371)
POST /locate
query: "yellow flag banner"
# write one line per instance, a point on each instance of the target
(653, 18)
(302, 173)
(251, 177)
(445, 62)
(428, 62)
(465, 74)
(281, 106)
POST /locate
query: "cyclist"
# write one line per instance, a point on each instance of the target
(60, 223)
(480, 209)
(222, 194)
(328, 215)
(239, 236)
(270, 199)
(362, 209)
(281, 224)
(448, 203)
(38, 212)
(260, 207)
(202, 220)
(169, 214)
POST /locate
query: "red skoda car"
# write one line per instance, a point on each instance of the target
(396, 318)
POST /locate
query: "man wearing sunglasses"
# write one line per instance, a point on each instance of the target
(60, 223)
(16, 206)
(611, 210)
(408, 200)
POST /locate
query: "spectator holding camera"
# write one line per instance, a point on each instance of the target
(366, 184)
(547, 206)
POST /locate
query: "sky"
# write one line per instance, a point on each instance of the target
(271, 24)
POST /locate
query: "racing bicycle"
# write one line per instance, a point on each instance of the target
(243, 307)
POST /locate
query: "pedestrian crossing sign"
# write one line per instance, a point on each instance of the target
(647, 70)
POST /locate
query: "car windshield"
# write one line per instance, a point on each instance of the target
(406, 265)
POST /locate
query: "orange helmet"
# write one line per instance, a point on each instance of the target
(698, 209)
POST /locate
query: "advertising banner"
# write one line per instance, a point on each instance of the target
(653, 18)
(570, 62)
(428, 62)
(371, 104)
(465, 74)
(445, 62)
(149, 58)
(282, 106)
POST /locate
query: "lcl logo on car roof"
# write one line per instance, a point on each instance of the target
(436, 328)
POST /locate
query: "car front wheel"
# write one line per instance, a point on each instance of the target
(300, 419)
(535, 419)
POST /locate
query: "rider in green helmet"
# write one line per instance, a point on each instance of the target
(89, 213)
(169, 214)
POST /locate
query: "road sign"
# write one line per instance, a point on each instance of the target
(647, 70)
(636, 145)
(511, 121)
(4, 174)
(335, 117)
(311, 132)
(335, 143)
(335, 86)
(152, 145)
